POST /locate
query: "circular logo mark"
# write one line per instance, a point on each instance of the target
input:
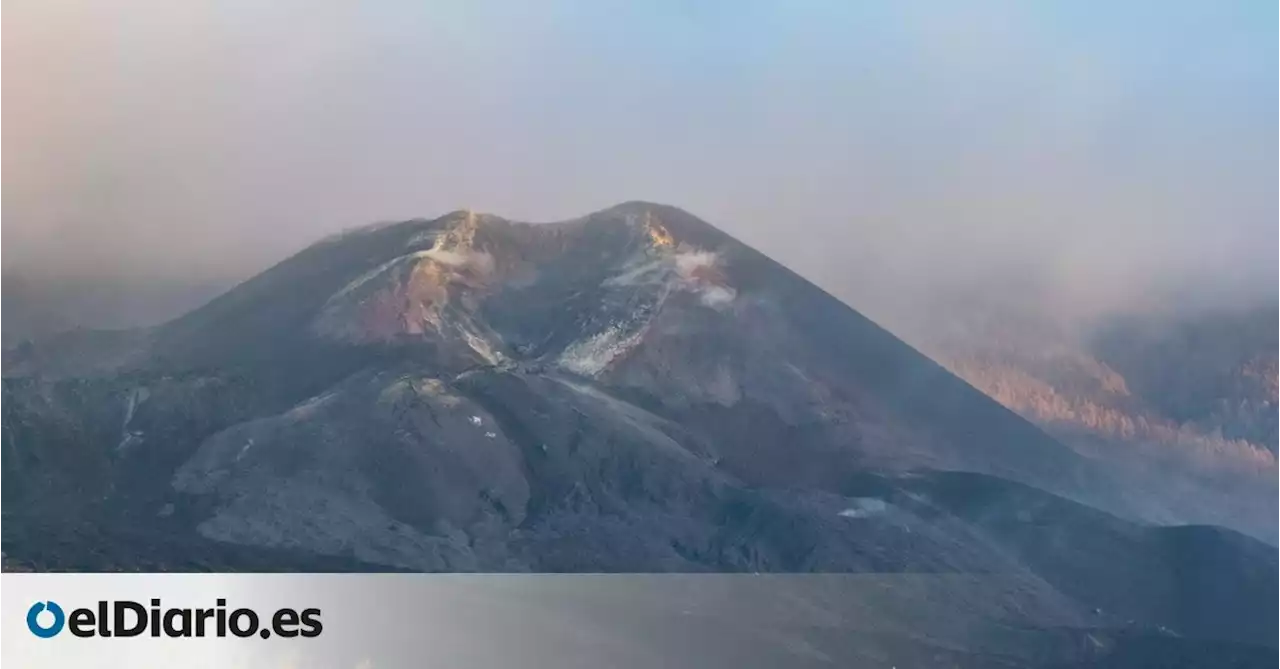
(45, 631)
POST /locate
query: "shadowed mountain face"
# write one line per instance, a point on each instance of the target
(630, 391)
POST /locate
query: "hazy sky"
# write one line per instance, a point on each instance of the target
(1102, 145)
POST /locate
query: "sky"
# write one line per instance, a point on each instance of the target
(1107, 150)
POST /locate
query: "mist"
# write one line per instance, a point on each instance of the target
(1094, 156)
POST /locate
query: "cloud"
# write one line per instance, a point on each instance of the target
(883, 151)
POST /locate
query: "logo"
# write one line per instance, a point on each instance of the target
(54, 611)
(124, 618)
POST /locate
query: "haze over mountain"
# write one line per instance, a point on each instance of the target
(1113, 153)
(32, 312)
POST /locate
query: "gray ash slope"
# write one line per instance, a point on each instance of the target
(630, 391)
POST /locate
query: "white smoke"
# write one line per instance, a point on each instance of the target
(480, 261)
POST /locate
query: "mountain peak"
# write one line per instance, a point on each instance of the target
(635, 207)
(641, 295)
(456, 381)
(458, 231)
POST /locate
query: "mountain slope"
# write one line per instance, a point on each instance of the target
(336, 374)
(629, 391)
(368, 366)
(370, 397)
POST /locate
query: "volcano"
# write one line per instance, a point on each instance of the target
(629, 391)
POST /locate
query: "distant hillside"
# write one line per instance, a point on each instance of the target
(29, 312)
(1182, 406)
(38, 306)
